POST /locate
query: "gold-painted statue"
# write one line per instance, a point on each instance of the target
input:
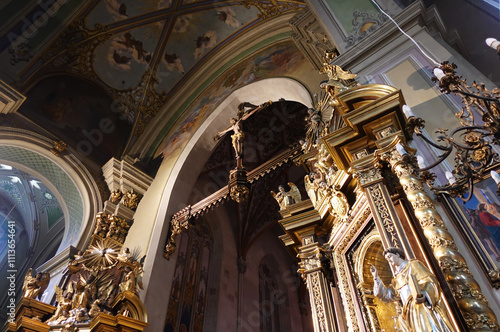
(64, 305)
(287, 198)
(418, 292)
(131, 199)
(116, 196)
(34, 287)
(132, 279)
(102, 225)
(338, 79)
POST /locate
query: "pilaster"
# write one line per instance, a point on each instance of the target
(367, 172)
(319, 291)
(127, 185)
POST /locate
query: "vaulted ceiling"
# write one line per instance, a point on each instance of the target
(134, 61)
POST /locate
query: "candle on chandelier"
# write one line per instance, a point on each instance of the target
(420, 162)
(495, 177)
(493, 43)
(401, 150)
(408, 112)
(449, 176)
(439, 73)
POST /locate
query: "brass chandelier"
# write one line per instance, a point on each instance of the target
(472, 141)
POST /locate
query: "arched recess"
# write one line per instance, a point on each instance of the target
(183, 174)
(65, 176)
(381, 315)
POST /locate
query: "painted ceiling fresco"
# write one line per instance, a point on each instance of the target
(139, 51)
(283, 60)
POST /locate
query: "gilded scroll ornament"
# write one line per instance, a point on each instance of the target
(131, 199)
(116, 196)
(339, 205)
(58, 148)
(367, 176)
(239, 193)
(318, 301)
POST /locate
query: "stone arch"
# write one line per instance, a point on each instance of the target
(65, 176)
(184, 170)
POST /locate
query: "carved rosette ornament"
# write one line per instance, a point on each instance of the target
(475, 309)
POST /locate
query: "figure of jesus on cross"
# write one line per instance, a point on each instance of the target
(245, 110)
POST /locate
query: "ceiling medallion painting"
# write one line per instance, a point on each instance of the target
(148, 46)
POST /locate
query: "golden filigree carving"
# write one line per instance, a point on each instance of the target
(271, 8)
(116, 196)
(58, 148)
(346, 294)
(318, 300)
(383, 211)
(462, 291)
(368, 176)
(480, 322)
(239, 193)
(178, 224)
(142, 102)
(449, 264)
(495, 277)
(131, 199)
(339, 205)
(341, 268)
(74, 49)
(431, 221)
(439, 242)
(110, 226)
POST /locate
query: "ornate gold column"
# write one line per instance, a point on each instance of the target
(319, 289)
(475, 309)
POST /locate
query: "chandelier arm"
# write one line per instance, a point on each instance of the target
(447, 151)
(469, 94)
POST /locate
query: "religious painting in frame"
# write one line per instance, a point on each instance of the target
(479, 221)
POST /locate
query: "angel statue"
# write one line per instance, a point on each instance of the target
(314, 183)
(64, 304)
(34, 287)
(287, 198)
(132, 279)
(338, 79)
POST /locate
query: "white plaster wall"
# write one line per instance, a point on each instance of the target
(173, 183)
